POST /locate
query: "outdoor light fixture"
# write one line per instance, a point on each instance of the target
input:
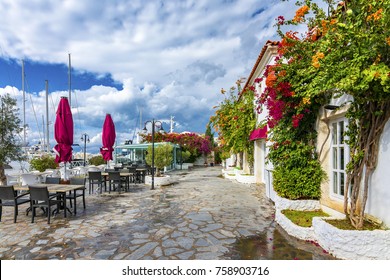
(331, 107)
(155, 124)
(85, 138)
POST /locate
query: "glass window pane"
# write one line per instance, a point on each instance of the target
(341, 132)
(335, 182)
(342, 167)
(334, 133)
(342, 180)
(335, 158)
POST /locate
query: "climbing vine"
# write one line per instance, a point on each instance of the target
(234, 120)
(345, 51)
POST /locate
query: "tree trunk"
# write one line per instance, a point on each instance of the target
(3, 178)
(365, 154)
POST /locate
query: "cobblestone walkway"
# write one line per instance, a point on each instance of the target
(199, 217)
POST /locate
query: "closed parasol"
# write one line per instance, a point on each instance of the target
(108, 138)
(63, 132)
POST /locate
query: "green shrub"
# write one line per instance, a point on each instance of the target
(96, 160)
(185, 155)
(42, 163)
(302, 181)
(162, 157)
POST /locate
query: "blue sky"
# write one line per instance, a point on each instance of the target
(164, 58)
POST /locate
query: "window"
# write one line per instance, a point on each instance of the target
(339, 157)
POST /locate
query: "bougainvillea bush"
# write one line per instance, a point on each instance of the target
(234, 120)
(346, 50)
(196, 144)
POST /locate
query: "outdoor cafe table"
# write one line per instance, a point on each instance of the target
(125, 175)
(57, 188)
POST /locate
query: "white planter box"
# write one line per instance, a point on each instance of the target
(343, 244)
(305, 233)
(187, 165)
(299, 205)
(352, 244)
(245, 179)
(159, 181)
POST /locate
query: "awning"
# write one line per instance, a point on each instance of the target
(260, 133)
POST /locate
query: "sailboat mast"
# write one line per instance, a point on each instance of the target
(70, 82)
(24, 107)
(47, 116)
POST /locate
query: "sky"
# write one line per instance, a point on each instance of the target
(137, 60)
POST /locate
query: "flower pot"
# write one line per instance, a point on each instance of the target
(158, 181)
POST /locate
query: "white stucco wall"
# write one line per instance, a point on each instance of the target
(352, 244)
(378, 203)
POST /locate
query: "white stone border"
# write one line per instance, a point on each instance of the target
(352, 244)
(245, 179)
(299, 205)
(158, 181)
(305, 233)
(343, 244)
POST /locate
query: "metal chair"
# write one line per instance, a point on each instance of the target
(115, 180)
(52, 180)
(9, 197)
(40, 198)
(95, 177)
(76, 193)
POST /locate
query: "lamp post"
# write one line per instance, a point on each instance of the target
(145, 130)
(85, 138)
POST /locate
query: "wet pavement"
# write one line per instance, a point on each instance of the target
(201, 216)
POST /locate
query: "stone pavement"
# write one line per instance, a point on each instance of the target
(199, 217)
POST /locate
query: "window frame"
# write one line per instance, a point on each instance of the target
(337, 159)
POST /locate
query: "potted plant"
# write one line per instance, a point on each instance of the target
(162, 158)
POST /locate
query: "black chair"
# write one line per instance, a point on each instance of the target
(95, 177)
(40, 198)
(9, 197)
(115, 180)
(76, 193)
(133, 176)
(52, 180)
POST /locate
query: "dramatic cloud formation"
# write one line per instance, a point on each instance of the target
(164, 58)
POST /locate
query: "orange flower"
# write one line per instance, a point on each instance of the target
(306, 100)
(315, 59)
(388, 40)
(271, 79)
(300, 13)
(375, 16)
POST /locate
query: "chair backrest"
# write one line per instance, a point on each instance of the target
(93, 168)
(28, 179)
(12, 179)
(52, 180)
(7, 193)
(77, 181)
(114, 175)
(38, 193)
(95, 175)
(132, 169)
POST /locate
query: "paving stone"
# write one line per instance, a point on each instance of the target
(185, 255)
(177, 234)
(141, 252)
(199, 218)
(172, 251)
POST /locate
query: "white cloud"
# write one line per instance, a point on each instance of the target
(171, 57)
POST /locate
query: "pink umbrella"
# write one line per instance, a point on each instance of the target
(108, 138)
(63, 132)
